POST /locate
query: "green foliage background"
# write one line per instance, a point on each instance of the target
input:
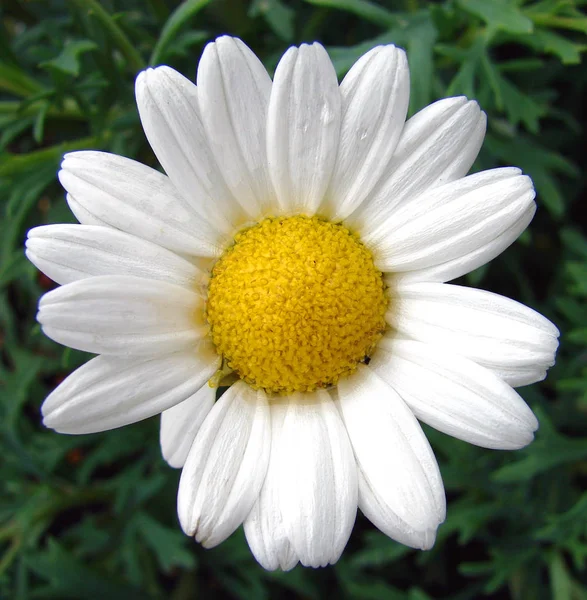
(93, 516)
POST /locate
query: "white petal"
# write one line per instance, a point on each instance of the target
(520, 376)
(109, 392)
(374, 507)
(375, 95)
(84, 216)
(226, 465)
(455, 395)
(67, 253)
(438, 145)
(496, 332)
(318, 479)
(451, 221)
(106, 189)
(233, 94)
(264, 525)
(471, 259)
(303, 128)
(402, 491)
(168, 107)
(123, 315)
(181, 423)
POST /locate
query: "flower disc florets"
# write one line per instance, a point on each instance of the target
(295, 304)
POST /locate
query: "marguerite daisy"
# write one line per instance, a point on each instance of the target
(298, 248)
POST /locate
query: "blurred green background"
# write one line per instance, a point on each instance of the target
(94, 516)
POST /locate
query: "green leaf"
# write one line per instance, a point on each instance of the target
(578, 272)
(362, 8)
(415, 32)
(39, 125)
(16, 164)
(520, 107)
(184, 43)
(378, 550)
(27, 367)
(113, 446)
(299, 581)
(420, 48)
(168, 545)
(278, 15)
(361, 587)
(343, 58)
(550, 450)
(470, 59)
(574, 241)
(110, 27)
(17, 451)
(69, 60)
(578, 336)
(467, 518)
(549, 42)
(503, 566)
(560, 581)
(499, 15)
(568, 530)
(558, 14)
(24, 194)
(13, 128)
(419, 37)
(540, 163)
(72, 579)
(15, 81)
(179, 19)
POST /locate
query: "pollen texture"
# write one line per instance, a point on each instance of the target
(295, 304)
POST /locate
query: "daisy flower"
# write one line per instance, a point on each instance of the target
(296, 250)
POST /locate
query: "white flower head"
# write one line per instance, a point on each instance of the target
(298, 247)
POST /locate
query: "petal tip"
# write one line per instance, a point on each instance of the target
(455, 101)
(524, 439)
(50, 413)
(141, 80)
(171, 458)
(147, 79)
(226, 40)
(428, 539)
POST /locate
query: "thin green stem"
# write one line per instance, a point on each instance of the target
(114, 31)
(10, 554)
(176, 21)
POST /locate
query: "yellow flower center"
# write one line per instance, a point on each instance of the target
(295, 304)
